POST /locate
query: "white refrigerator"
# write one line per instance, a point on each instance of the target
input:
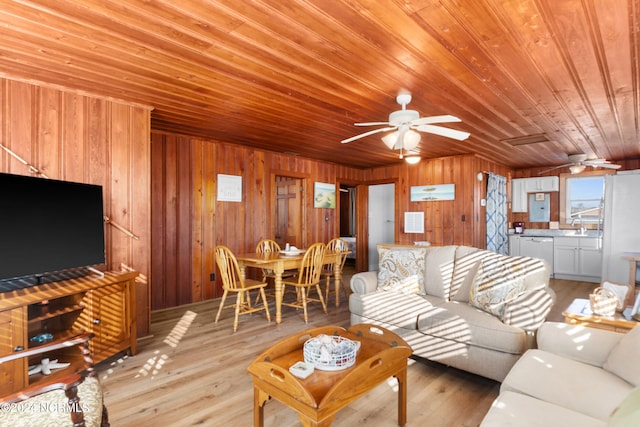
(621, 227)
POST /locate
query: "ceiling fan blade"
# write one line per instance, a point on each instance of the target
(371, 132)
(439, 130)
(435, 119)
(556, 167)
(605, 165)
(372, 124)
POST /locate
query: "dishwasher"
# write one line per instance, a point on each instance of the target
(539, 247)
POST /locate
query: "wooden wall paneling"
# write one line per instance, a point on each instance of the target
(158, 219)
(208, 220)
(184, 206)
(21, 123)
(141, 248)
(50, 147)
(164, 221)
(76, 137)
(73, 135)
(129, 190)
(261, 188)
(198, 218)
(443, 219)
(96, 133)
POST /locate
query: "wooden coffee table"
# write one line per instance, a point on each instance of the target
(579, 313)
(320, 396)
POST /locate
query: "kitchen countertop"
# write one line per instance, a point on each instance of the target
(556, 233)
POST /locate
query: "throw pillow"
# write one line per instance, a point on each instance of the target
(498, 281)
(401, 269)
(464, 272)
(619, 361)
(408, 285)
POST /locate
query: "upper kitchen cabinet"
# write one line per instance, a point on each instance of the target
(520, 187)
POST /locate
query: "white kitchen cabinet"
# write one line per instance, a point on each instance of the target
(520, 187)
(518, 196)
(578, 258)
(542, 184)
(514, 245)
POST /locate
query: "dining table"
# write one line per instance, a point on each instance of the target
(280, 262)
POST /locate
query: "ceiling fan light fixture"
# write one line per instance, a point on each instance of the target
(412, 160)
(576, 169)
(390, 139)
(411, 140)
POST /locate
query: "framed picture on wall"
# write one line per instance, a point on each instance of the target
(432, 193)
(229, 188)
(324, 195)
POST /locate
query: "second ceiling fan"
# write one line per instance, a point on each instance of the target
(578, 163)
(405, 123)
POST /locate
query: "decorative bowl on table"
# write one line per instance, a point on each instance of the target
(330, 353)
(293, 251)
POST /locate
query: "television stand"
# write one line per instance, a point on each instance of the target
(54, 312)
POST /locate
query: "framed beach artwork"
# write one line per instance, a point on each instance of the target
(324, 195)
(432, 193)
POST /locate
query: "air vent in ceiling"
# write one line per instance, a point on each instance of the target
(526, 140)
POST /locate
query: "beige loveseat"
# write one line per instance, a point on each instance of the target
(578, 376)
(461, 306)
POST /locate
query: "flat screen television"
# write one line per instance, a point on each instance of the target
(48, 228)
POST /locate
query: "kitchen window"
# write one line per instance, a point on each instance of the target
(581, 198)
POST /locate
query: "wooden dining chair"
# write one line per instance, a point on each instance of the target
(336, 245)
(265, 246)
(233, 282)
(309, 275)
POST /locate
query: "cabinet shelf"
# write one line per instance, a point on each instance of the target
(58, 336)
(46, 314)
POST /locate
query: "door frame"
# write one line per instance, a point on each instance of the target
(271, 217)
(362, 226)
(360, 221)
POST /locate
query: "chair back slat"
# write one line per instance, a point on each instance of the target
(311, 266)
(267, 246)
(334, 246)
(228, 266)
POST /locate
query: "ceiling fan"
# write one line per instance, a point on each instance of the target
(405, 123)
(578, 163)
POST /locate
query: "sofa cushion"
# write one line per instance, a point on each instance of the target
(439, 270)
(398, 266)
(497, 281)
(518, 410)
(463, 323)
(395, 308)
(463, 273)
(618, 361)
(573, 385)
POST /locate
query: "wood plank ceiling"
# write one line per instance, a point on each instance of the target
(295, 75)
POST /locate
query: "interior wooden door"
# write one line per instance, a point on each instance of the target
(289, 211)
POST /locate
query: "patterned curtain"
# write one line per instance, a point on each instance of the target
(497, 240)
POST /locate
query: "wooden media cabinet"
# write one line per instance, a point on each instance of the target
(103, 306)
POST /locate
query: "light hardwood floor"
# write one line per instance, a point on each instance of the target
(192, 371)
